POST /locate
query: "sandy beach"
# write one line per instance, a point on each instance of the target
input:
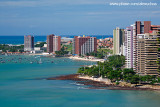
(86, 59)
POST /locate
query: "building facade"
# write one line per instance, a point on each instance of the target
(50, 43)
(141, 47)
(56, 43)
(118, 41)
(140, 27)
(129, 47)
(28, 43)
(84, 45)
(147, 53)
(53, 43)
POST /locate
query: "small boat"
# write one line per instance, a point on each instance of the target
(40, 61)
(2, 61)
(37, 56)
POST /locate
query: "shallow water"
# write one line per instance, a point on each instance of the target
(23, 84)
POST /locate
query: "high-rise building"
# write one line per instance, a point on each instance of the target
(118, 41)
(129, 47)
(151, 53)
(140, 61)
(136, 51)
(53, 43)
(139, 28)
(56, 43)
(155, 27)
(141, 48)
(50, 43)
(143, 27)
(147, 53)
(158, 40)
(28, 43)
(84, 45)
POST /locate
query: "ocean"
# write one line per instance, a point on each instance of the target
(23, 84)
(20, 39)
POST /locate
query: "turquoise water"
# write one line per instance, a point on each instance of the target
(23, 84)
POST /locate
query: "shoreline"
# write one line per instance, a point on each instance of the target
(99, 83)
(70, 57)
(85, 59)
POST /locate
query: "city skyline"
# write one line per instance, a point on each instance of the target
(139, 44)
(74, 17)
(75, 53)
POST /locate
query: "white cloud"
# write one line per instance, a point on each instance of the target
(120, 13)
(18, 3)
(34, 3)
(99, 13)
(155, 12)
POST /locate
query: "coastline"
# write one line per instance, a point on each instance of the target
(101, 83)
(86, 59)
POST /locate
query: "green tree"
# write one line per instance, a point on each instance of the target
(116, 61)
(135, 79)
(41, 44)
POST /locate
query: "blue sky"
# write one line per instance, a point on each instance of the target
(71, 17)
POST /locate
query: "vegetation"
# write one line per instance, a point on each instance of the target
(62, 52)
(101, 53)
(41, 44)
(68, 47)
(8, 48)
(96, 54)
(105, 51)
(113, 69)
